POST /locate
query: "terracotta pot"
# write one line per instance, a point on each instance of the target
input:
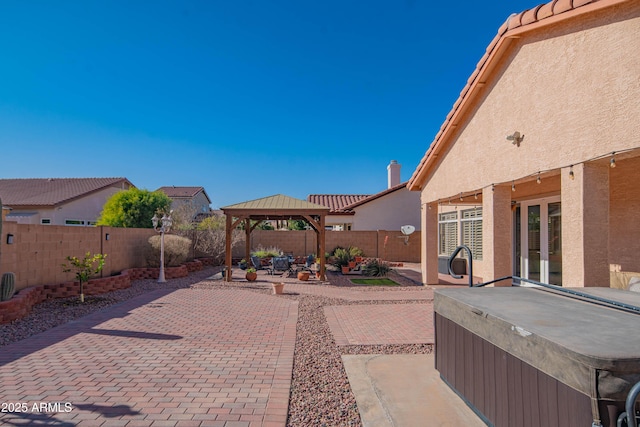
(358, 259)
(345, 270)
(251, 276)
(303, 275)
(317, 274)
(278, 288)
(352, 264)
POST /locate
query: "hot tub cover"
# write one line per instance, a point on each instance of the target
(592, 348)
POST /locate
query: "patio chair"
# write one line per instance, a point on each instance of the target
(309, 263)
(257, 264)
(280, 264)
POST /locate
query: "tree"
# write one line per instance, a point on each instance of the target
(84, 269)
(133, 208)
(297, 224)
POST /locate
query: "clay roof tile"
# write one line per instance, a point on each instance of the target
(514, 21)
(546, 10)
(578, 3)
(561, 6)
(530, 15)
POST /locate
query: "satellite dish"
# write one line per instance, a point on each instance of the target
(407, 229)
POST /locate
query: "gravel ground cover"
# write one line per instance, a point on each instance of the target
(320, 391)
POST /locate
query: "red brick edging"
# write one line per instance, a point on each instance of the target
(24, 300)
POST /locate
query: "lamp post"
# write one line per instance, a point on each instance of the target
(165, 225)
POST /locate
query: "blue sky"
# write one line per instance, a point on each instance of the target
(245, 98)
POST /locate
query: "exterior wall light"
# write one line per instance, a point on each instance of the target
(515, 138)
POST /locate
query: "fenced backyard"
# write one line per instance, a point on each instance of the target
(38, 251)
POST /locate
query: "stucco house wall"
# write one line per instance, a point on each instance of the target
(87, 209)
(573, 91)
(338, 220)
(570, 84)
(388, 212)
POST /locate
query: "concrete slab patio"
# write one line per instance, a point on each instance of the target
(404, 390)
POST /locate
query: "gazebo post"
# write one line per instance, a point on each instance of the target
(247, 249)
(228, 248)
(321, 237)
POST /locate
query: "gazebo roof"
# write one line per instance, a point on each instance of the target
(278, 203)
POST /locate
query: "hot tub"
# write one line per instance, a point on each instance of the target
(529, 357)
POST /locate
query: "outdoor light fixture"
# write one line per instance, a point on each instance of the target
(162, 225)
(612, 163)
(460, 196)
(9, 239)
(538, 180)
(513, 186)
(515, 138)
(571, 175)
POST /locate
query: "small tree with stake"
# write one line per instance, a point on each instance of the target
(84, 268)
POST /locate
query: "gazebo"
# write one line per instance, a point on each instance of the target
(278, 207)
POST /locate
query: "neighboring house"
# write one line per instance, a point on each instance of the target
(194, 199)
(58, 201)
(339, 218)
(540, 155)
(387, 210)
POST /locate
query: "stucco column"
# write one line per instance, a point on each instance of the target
(429, 244)
(585, 225)
(497, 232)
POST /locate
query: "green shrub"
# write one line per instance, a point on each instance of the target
(376, 268)
(176, 250)
(341, 258)
(262, 252)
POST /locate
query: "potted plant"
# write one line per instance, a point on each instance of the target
(242, 264)
(278, 288)
(342, 259)
(251, 274)
(303, 275)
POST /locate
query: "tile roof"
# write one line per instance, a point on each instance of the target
(516, 25)
(278, 201)
(52, 191)
(336, 202)
(180, 192)
(183, 192)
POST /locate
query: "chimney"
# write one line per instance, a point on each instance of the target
(393, 173)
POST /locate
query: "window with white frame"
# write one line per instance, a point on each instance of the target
(45, 221)
(74, 222)
(447, 233)
(471, 226)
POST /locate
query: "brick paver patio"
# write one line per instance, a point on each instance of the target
(381, 324)
(192, 357)
(184, 358)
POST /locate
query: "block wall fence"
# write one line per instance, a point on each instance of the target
(386, 244)
(38, 251)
